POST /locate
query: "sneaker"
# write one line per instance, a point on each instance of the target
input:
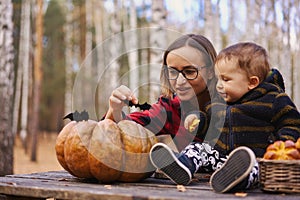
(234, 171)
(164, 159)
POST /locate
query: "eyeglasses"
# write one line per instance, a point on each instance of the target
(189, 73)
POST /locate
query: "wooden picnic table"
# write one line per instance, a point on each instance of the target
(62, 185)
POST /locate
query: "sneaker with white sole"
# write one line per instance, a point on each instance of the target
(234, 171)
(171, 164)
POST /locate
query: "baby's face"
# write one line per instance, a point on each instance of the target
(233, 82)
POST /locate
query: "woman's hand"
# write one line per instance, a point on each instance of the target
(191, 122)
(117, 101)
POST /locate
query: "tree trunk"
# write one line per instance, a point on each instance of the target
(69, 57)
(24, 63)
(88, 84)
(133, 54)
(158, 40)
(115, 47)
(82, 30)
(37, 78)
(231, 36)
(212, 25)
(251, 15)
(274, 37)
(102, 93)
(6, 87)
(296, 56)
(144, 57)
(285, 62)
(218, 32)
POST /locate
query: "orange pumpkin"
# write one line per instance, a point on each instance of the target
(106, 150)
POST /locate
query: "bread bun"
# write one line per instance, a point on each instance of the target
(297, 144)
(281, 150)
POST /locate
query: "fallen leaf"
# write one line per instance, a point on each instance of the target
(107, 187)
(62, 179)
(240, 194)
(11, 183)
(181, 188)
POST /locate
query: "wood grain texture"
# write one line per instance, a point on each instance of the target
(62, 185)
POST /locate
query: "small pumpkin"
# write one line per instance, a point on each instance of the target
(106, 150)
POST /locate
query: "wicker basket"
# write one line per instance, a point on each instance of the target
(280, 175)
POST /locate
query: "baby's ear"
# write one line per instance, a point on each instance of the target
(253, 82)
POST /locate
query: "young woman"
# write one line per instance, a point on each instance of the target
(187, 83)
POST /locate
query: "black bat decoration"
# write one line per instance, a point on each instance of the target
(84, 115)
(76, 116)
(144, 106)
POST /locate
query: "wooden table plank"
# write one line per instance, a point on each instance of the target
(62, 185)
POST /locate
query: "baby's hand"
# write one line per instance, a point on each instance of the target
(191, 122)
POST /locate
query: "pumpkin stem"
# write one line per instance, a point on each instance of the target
(76, 116)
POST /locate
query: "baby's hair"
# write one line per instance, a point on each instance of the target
(249, 56)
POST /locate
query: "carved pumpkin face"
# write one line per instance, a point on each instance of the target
(105, 150)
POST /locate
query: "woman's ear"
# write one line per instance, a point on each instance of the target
(253, 82)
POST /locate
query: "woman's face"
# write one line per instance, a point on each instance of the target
(188, 58)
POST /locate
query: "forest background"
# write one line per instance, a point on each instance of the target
(67, 55)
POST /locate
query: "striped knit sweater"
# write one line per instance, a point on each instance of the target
(260, 117)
